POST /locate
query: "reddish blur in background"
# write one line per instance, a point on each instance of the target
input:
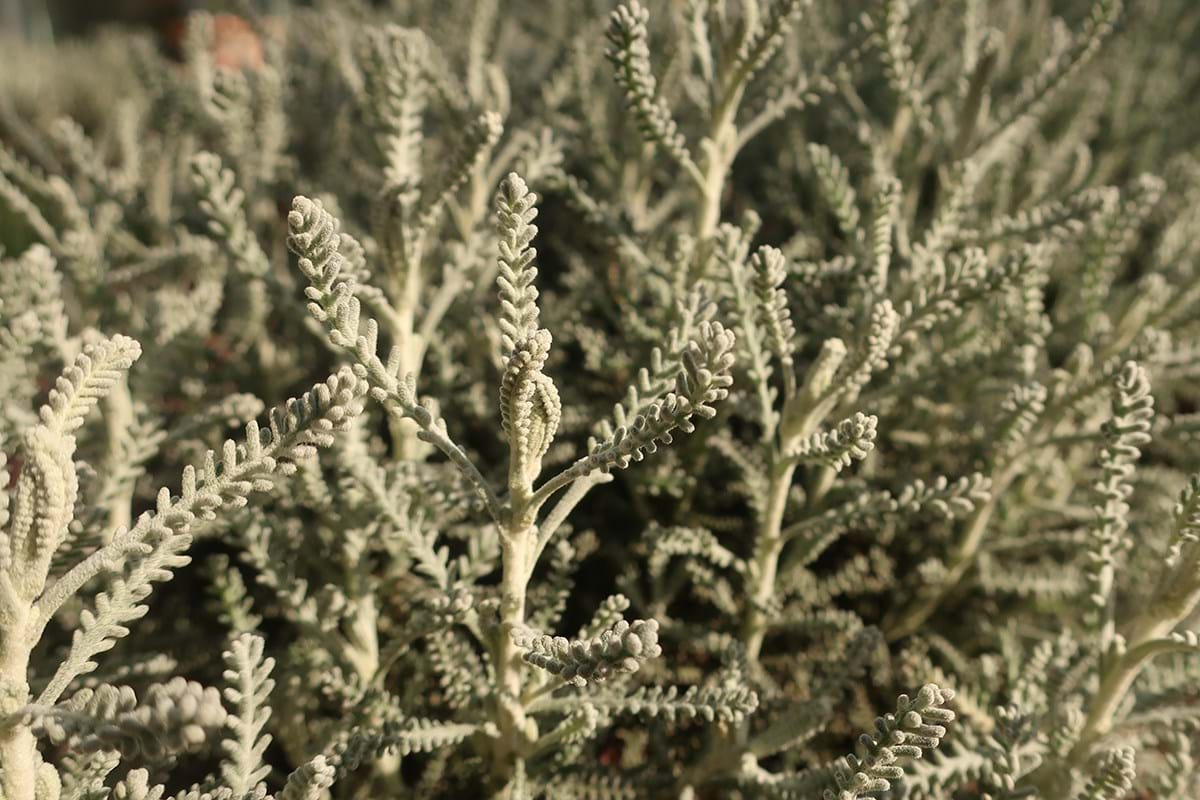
(53, 20)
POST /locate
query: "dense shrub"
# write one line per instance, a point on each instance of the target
(674, 388)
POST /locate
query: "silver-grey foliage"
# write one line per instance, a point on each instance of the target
(649, 391)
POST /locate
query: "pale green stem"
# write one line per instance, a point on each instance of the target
(1144, 638)
(1175, 603)
(118, 418)
(900, 127)
(969, 114)
(518, 541)
(363, 654)
(821, 486)
(767, 547)
(405, 444)
(971, 540)
(563, 508)
(412, 337)
(723, 138)
(18, 754)
(769, 540)
(911, 620)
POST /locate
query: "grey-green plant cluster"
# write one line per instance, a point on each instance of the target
(604, 400)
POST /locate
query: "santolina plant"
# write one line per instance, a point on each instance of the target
(704, 399)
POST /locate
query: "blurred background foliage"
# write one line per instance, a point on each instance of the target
(1136, 113)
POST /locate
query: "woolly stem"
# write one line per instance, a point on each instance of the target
(961, 560)
(1142, 635)
(18, 754)
(519, 547)
(769, 541)
(563, 508)
(363, 653)
(1116, 679)
(767, 548)
(405, 445)
(911, 620)
(118, 418)
(721, 147)
(519, 538)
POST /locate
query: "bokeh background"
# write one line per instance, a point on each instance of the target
(44, 20)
